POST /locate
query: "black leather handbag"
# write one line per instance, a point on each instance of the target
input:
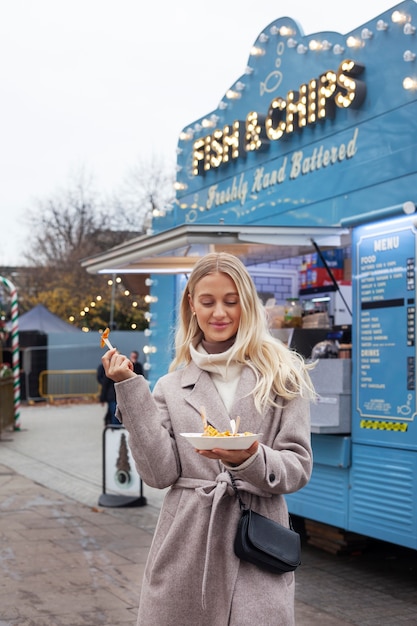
(264, 542)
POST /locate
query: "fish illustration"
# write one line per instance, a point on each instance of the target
(271, 82)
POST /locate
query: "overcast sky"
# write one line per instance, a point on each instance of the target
(103, 84)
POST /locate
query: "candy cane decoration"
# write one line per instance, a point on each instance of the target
(15, 350)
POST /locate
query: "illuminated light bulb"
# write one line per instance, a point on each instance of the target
(256, 51)
(133, 326)
(186, 135)
(409, 29)
(207, 123)
(150, 281)
(93, 304)
(71, 318)
(338, 49)
(180, 186)
(150, 349)
(110, 282)
(134, 304)
(398, 17)
(353, 42)
(126, 292)
(232, 95)
(381, 25)
(301, 49)
(314, 45)
(98, 298)
(366, 34)
(286, 31)
(409, 55)
(118, 279)
(410, 84)
(291, 43)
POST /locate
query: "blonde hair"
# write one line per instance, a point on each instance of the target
(279, 371)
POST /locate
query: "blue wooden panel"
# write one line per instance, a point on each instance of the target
(160, 340)
(325, 498)
(383, 500)
(332, 450)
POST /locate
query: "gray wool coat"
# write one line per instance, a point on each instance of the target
(192, 576)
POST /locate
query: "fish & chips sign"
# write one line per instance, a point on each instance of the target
(314, 101)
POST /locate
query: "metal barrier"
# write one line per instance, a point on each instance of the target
(68, 384)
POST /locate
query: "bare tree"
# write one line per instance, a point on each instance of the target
(68, 225)
(148, 188)
(75, 223)
(72, 224)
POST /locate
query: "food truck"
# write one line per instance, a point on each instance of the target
(307, 170)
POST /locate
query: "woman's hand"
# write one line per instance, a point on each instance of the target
(117, 366)
(231, 457)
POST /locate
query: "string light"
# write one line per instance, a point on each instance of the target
(137, 305)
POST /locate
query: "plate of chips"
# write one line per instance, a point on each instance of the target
(240, 441)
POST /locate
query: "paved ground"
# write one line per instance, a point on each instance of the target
(66, 561)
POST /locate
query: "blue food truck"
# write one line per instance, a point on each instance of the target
(307, 170)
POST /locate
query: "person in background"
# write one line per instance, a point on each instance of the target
(226, 361)
(107, 396)
(137, 365)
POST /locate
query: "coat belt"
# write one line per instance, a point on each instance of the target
(210, 492)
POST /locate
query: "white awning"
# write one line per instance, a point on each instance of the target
(176, 250)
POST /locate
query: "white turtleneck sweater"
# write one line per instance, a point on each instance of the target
(225, 377)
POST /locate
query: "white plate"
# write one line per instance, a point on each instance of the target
(239, 442)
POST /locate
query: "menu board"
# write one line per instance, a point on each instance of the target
(384, 257)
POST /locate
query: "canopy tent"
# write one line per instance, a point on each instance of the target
(176, 250)
(41, 319)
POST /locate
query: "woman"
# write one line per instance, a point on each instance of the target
(226, 361)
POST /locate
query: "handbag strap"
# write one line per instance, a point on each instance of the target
(242, 505)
